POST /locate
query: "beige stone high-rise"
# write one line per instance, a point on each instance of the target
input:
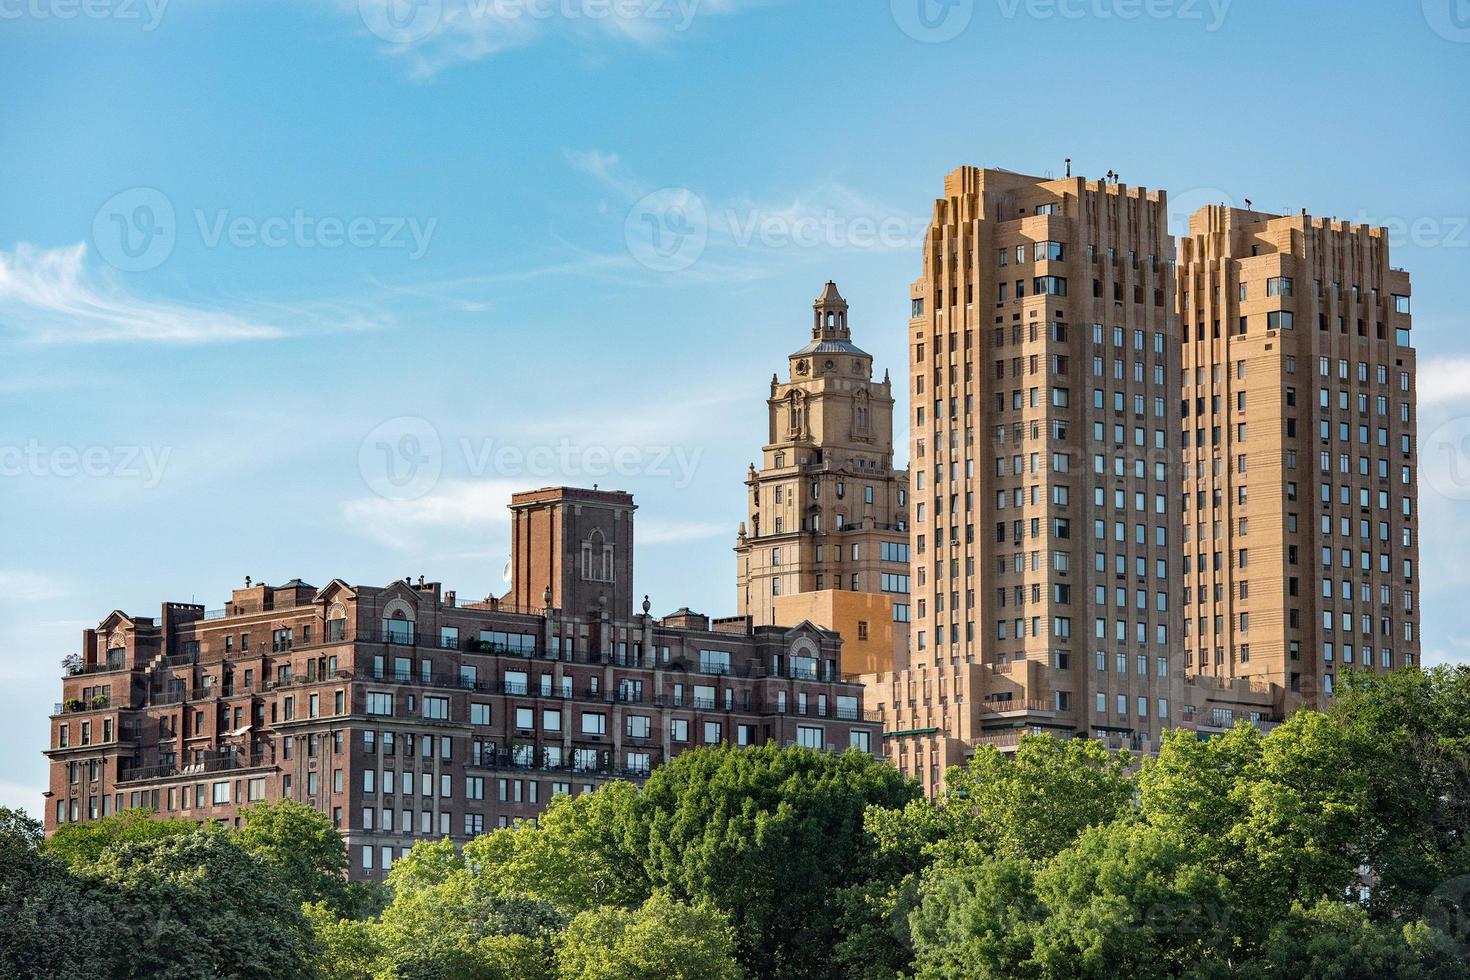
(1298, 411)
(1044, 354)
(827, 534)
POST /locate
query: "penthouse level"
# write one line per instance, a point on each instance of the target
(403, 712)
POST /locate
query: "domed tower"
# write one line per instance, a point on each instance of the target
(827, 513)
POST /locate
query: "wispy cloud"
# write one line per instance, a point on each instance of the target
(20, 587)
(742, 238)
(1443, 379)
(432, 35)
(652, 531)
(54, 296)
(451, 510)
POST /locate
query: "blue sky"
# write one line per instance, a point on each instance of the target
(306, 288)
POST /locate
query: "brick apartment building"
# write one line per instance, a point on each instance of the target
(404, 713)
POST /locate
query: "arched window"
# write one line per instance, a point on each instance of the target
(597, 558)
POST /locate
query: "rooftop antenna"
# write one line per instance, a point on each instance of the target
(1068, 162)
(1247, 204)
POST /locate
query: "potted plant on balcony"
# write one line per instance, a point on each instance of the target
(72, 704)
(99, 700)
(72, 663)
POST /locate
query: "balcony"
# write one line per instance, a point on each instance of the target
(75, 705)
(213, 762)
(1018, 706)
(853, 714)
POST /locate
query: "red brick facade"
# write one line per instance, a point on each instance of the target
(404, 714)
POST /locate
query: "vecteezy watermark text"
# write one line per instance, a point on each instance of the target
(936, 21)
(149, 13)
(144, 464)
(302, 230)
(137, 229)
(403, 459)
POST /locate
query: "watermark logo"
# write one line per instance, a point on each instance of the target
(1210, 13)
(932, 21)
(148, 13)
(401, 459)
(667, 230)
(1450, 19)
(1181, 206)
(1444, 459)
(135, 230)
(1422, 231)
(1447, 910)
(401, 21)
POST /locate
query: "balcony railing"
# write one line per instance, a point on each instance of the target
(212, 763)
(80, 704)
(1016, 704)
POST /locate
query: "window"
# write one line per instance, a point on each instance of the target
(714, 661)
(436, 708)
(379, 703)
(861, 740)
(711, 733)
(398, 631)
(594, 723)
(639, 726)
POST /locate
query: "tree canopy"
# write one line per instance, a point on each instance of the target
(1335, 845)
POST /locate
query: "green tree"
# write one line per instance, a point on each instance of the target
(1130, 900)
(1332, 939)
(198, 905)
(660, 939)
(448, 922)
(82, 844)
(581, 854)
(1409, 733)
(1032, 803)
(50, 926)
(975, 921)
(346, 949)
(769, 836)
(302, 847)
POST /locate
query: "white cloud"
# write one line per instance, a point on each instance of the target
(52, 296)
(21, 587)
(744, 238)
(654, 531)
(451, 509)
(432, 35)
(1443, 379)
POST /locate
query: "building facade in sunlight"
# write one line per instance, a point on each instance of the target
(406, 714)
(1147, 497)
(1300, 476)
(826, 533)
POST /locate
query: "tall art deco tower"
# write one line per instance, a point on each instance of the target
(1044, 382)
(1300, 496)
